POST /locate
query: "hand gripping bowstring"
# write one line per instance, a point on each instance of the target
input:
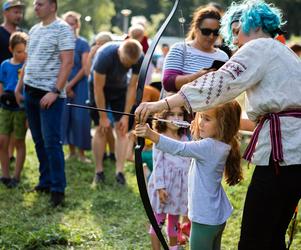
(140, 141)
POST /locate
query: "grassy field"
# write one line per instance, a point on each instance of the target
(103, 217)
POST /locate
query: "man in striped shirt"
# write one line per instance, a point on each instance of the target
(50, 59)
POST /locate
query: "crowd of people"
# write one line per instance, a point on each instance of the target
(224, 55)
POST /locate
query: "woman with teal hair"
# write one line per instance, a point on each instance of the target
(269, 73)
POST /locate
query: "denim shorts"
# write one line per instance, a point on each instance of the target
(13, 122)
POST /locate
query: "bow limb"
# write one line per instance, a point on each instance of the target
(140, 141)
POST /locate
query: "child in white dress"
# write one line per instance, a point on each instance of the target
(215, 152)
(167, 186)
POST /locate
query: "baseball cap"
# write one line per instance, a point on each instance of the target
(12, 3)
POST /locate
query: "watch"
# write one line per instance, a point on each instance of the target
(55, 90)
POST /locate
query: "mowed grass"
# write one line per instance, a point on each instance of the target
(102, 217)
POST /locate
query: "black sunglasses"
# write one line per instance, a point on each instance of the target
(207, 32)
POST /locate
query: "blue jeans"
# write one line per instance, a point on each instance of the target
(45, 126)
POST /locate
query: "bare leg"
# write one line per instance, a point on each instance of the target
(111, 140)
(11, 146)
(20, 157)
(129, 150)
(82, 157)
(155, 242)
(72, 151)
(98, 146)
(4, 157)
(120, 150)
(173, 241)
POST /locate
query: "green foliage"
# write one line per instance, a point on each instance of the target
(106, 217)
(106, 14)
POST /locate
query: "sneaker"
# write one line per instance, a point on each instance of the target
(120, 178)
(13, 183)
(57, 198)
(99, 177)
(12, 159)
(40, 189)
(5, 180)
(112, 157)
(105, 156)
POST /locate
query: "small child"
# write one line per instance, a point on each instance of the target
(12, 117)
(167, 186)
(215, 152)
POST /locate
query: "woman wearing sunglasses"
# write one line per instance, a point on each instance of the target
(269, 72)
(188, 61)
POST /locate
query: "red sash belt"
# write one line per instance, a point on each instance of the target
(275, 134)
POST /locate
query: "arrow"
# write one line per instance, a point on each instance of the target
(180, 124)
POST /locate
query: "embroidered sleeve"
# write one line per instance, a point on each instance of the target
(243, 71)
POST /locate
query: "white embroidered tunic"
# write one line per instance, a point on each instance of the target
(270, 73)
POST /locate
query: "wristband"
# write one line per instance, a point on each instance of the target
(168, 107)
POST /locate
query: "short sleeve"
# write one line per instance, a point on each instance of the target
(102, 62)
(85, 48)
(66, 39)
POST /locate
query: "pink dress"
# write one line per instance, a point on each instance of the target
(170, 172)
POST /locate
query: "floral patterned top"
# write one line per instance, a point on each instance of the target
(170, 172)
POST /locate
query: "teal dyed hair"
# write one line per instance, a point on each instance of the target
(253, 14)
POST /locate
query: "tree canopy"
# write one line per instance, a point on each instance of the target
(100, 15)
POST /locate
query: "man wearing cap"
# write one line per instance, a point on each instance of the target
(50, 52)
(12, 15)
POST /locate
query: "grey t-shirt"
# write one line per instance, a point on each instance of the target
(43, 48)
(207, 201)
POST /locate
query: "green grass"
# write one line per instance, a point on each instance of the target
(102, 217)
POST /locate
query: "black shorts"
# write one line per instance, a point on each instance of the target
(116, 105)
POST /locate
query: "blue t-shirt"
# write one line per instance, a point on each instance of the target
(9, 75)
(107, 62)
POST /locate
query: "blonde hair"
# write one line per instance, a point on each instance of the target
(75, 15)
(228, 119)
(136, 32)
(103, 37)
(131, 48)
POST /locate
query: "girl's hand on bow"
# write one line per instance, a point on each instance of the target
(146, 132)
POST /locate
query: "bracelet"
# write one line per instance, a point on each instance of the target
(168, 107)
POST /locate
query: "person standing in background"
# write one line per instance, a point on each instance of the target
(77, 123)
(112, 90)
(50, 60)
(12, 15)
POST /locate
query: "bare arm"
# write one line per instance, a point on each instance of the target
(131, 93)
(19, 87)
(145, 109)
(247, 125)
(67, 57)
(91, 54)
(99, 83)
(81, 73)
